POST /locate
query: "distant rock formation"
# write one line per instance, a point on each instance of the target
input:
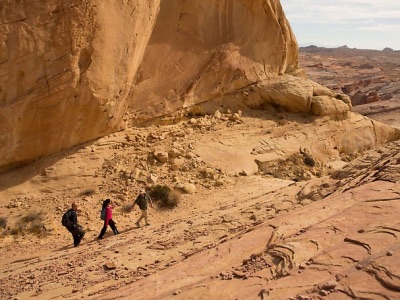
(387, 49)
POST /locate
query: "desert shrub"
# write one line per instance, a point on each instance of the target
(173, 199)
(32, 216)
(164, 196)
(32, 222)
(19, 229)
(3, 222)
(87, 192)
(159, 192)
(36, 227)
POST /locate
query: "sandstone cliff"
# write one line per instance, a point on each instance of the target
(65, 71)
(204, 49)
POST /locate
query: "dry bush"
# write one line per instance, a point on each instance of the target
(32, 216)
(36, 227)
(159, 192)
(164, 196)
(19, 229)
(87, 192)
(173, 200)
(3, 222)
(30, 223)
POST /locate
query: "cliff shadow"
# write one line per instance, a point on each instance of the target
(26, 172)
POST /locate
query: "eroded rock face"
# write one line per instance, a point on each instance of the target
(202, 50)
(65, 71)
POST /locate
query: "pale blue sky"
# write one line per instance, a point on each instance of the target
(362, 24)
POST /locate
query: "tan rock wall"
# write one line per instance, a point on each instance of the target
(66, 69)
(203, 49)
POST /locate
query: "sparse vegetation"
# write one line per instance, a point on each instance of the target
(164, 196)
(32, 216)
(87, 192)
(30, 223)
(36, 227)
(173, 199)
(16, 230)
(3, 222)
(339, 97)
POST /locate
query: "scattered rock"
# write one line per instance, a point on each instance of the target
(217, 114)
(161, 156)
(189, 188)
(110, 266)
(177, 292)
(329, 285)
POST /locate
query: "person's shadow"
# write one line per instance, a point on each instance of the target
(95, 239)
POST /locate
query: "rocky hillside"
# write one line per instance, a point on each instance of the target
(369, 77)
(271, 204)
(366, 76)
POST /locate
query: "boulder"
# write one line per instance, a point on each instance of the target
(161, 156)
(292, 93)
(189, 188)
(325, 105)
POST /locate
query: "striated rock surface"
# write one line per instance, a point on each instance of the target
(204, 49)
(344, 246)
(311, 218)
(65, 71)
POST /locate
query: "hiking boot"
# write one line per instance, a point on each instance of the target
(137, 224)
(147, 224)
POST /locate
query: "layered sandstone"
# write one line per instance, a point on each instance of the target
(65, 71)
(204, 49)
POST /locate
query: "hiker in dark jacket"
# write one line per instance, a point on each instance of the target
(108, 219)
(72, 225)
(141, 201)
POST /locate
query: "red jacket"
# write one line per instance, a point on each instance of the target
(108, 214)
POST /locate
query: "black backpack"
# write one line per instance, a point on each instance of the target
(103, 214)
(65, 221)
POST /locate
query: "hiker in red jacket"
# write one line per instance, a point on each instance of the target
(108, 219)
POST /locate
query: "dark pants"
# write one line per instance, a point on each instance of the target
(77, 233)
(112, 225)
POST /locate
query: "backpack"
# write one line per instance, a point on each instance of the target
(65, 221)
(103, 214)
